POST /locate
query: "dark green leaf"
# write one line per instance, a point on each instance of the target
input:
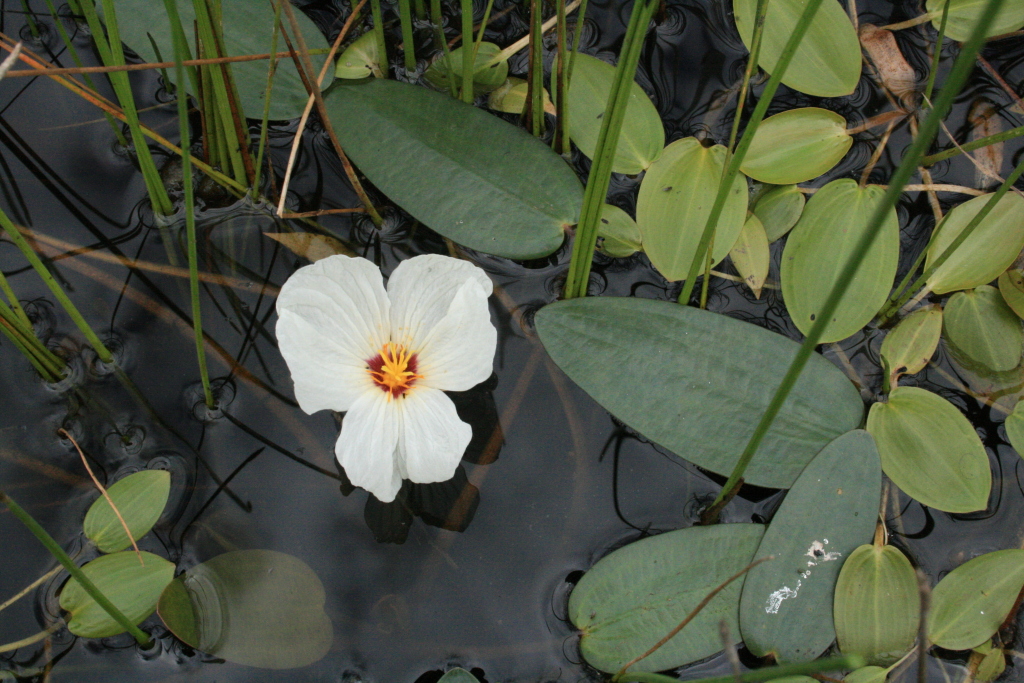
(796, 145)
(140, 498)
(459, 170)
(698, 381)
(979, 323)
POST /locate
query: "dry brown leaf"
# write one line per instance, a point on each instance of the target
(897, 75)
(309, 245)
(985, 121)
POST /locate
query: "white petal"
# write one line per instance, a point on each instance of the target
(333, 316)
(458, 353)
(421, 291)
(368, 445)
(433, 437)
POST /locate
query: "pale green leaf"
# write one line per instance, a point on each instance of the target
(819, 247)
(979, 323)
(992, 664)
(510, 97)
(964, 14)
(907, 349)
(139, 497)
(1014, 426)
(632, 598)
(779, 209)
(360, 59)
(750, 255)
(487, 76)
(674, 203)
(971, 602)
(796, 145)
(458, 675)
(867, 674)
(618, 232)
(697, 379)
(931, 451)
(1011, 286)
(786, 608)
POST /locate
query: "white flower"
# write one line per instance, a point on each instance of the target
(385, 357)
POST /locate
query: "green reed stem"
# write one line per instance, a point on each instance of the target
(937, 57)
(973, 145)
(483, 27)
(55, 288)
(45, 362)
(897, 301)
(438, 20)
(180, 52)
(576, 32)
(768, 673)
(926, 134)
(405, 17)
(30, 19)
(733, 167)
(271, 71)
(26, 351)
(378, 31)
(560, 143)
(420, 8)
(87, 585)
(535, 91)
(12, 298)
(607, 141)
(467, 51)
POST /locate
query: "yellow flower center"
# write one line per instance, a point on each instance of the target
(393, 369)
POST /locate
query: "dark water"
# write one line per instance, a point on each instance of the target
(552, 481)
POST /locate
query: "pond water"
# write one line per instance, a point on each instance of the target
(475, 572)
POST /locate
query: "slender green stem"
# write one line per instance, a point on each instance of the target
(576, 32)
(29, 346)
(607, 141)
(973, 145)
(30, 19)
(378, 30)
(420, 8)
(25, 642)
(483, 27)
(408, 44)
(926, 134)
(937, 56)
(467, 51)
(559, 84)
(535, 91)
(12, 298)
(87, 585)
(768, 673)
(271, 71)
(733, 167)
(33, 258)
(438, 20)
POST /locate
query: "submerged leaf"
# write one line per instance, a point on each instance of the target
(696, 378)
(964, 14)
(1014, 426)
(458, 675)
(140, 498)
(642, 136)
(827, 63)
(796, 145)
(1011, 286)
(360, 59)
(985, 121)
(779, 209)
(750, 255)
(510, 97)
(931, 451)
(486, 76)
(979, 323)
(134, 589)
(897, 75)
(618, 232)
(819, 247)
(972, 601)
(674, 203)
(630, 599)
(459, 170)
(877, 604)
(867, 674)
(912, 343)
(991, 248)
(786, 609)
(310, 245)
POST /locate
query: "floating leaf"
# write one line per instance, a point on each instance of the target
(819, 247)
(1011, 286)
(132, 588)
(632, 598)
(247, 29)
(827, 63)
(360, 59)
(1014, 426)
(786, 608)
(140, 498)
(979, 323)
(796, 145)
(254, 607)
(310, 245)
(457, 169)
(897, 75)
(991, 248)
(618, 232)
(779, 209)
(964, 14)
(750, 255)
(931, 451)
(877, 604)
(696, 378)
(971, 602)
(867, 674)
(988, 662)
(510, 98)
(912, 343)
(486, 76)
(642, 136)
(458, 675)
(674, 203)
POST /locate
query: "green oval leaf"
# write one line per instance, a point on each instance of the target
(796, 145)
(779, 209)
(458, 675)
(255, 607)
(827, 63)
(964, 14)
(991, 248)
(457, 169)
(510, 97)
(877, 605)
(486, 76)
(912, 343)
(786, 608)
(931, 451)
(971, 602)
(667, 576)
(819, 247)
(132, 588)
(642, 136)
(867, 674)
(750, 255)
(1011, 286)
(360, 59)
(979, 323)
(698, 381)
(618, 232)
(139, 497)
(247, 29)
(1014, 426)
(674, 203)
